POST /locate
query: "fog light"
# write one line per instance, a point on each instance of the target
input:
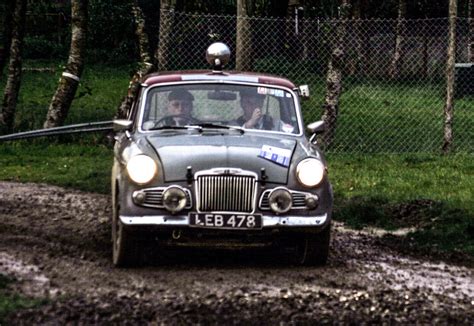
(280, 200)
(174, 199)
(312, 201)
(139, 197)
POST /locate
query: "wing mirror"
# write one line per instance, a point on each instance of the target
(317, 127)
(122, 125)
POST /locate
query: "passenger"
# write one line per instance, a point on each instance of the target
(253, 118)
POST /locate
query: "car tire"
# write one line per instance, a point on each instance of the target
(313, 249)
(126, 249)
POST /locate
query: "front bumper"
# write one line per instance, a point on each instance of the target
(268, 221)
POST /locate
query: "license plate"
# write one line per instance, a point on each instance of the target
(226, 221)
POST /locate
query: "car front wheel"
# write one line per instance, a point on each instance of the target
(126, 250)
(312, 249)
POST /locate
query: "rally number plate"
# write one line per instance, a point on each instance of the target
(226, 221)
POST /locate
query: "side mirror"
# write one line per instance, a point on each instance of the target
(122, 125)
(303, 90)
(317, 127)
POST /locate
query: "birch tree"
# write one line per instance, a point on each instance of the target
(6, 24)
(146, 66)
(397, 58)
(69, 82)
(449, 107)
(243, 52)
(334, 76)
(12, 88)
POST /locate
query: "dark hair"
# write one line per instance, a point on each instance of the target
(180, 94)
(251, 92)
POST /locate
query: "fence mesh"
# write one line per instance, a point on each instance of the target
(389, 103)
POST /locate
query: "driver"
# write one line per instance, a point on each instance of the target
(180, 106)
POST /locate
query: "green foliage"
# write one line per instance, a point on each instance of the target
(111, 31)
(42, 47)
(10, 302)
(99, 94)
(283, 66)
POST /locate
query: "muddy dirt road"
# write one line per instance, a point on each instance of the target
(56, 243)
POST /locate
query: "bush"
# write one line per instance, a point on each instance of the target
(40, 47)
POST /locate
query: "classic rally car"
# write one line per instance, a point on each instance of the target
(220, 159)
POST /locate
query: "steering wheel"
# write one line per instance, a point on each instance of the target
(168, 120)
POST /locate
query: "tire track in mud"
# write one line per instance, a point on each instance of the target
(62, 238)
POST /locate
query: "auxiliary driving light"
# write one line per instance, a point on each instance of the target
(280, 200)
(174, 199)
(311, 201)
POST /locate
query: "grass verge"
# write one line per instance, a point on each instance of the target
(430, 193)
(80, 166)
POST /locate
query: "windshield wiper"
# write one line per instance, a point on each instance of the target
(175, 128)
(217, 126)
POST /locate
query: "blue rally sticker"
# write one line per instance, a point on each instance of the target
(275, 154)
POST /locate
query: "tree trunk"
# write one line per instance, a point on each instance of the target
(162, 54)
(6, 32)
(397, 59)
(12, 88)
(425, 50)
(449, 108)
(146, 65)
(470, 46)
(334, 76)
(69, 82)
(353, 62)
(243, 52)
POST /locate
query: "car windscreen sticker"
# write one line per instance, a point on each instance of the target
(271, 91)
(275, 154)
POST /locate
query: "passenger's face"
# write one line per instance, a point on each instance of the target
(180, 107)
(250, 103)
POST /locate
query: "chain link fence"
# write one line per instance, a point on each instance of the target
(389, 103)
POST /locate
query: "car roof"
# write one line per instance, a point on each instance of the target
(206, 75)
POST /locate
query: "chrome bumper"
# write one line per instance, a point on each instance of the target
(267, 221)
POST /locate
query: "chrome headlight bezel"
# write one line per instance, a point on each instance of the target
(310, 172)
(141, 169)
(174, 199)
(280, 200)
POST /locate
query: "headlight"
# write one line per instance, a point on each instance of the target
(141, 169)
(310, 172)
(174, 199)
(280, 200)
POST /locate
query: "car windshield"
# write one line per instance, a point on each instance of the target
(214, 105)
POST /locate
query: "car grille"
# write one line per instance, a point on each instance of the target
(299, 200)
(226, 193)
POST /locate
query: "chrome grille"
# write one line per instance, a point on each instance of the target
(226, 193)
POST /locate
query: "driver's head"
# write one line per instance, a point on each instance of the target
(180, 102)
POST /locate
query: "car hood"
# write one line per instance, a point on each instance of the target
(202, 152)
